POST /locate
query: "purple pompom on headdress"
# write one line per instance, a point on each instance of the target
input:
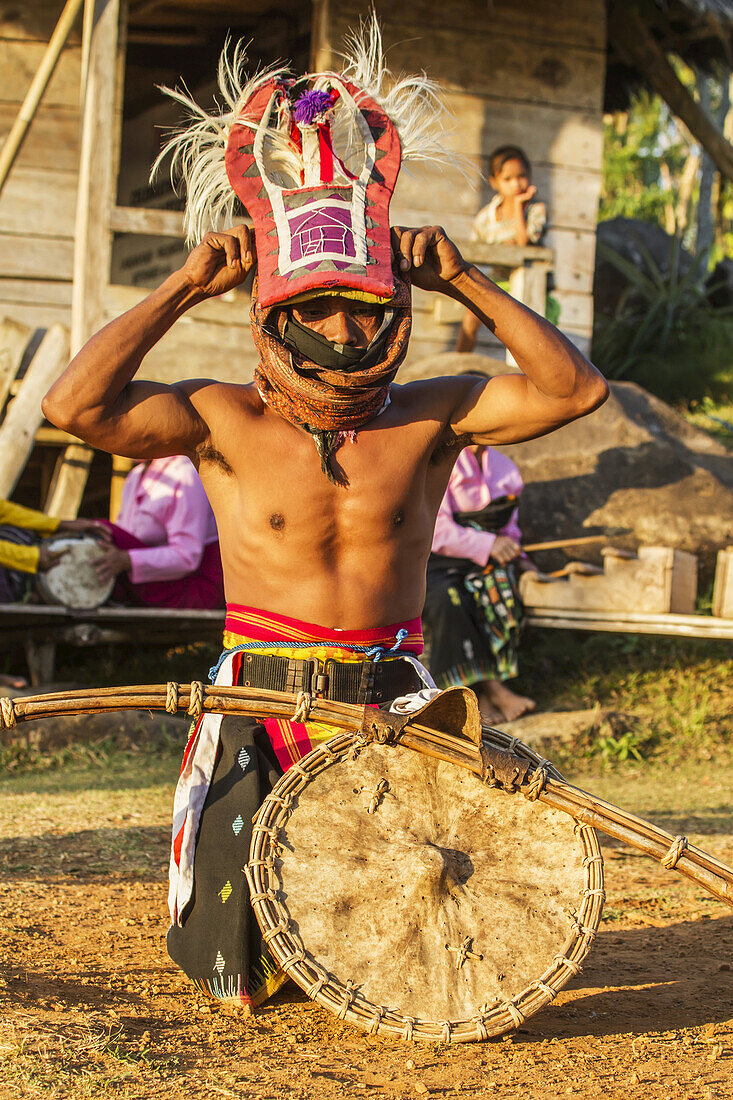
(312, 106)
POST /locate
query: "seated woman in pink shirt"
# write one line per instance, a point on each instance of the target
(472, 608)
(165, 546)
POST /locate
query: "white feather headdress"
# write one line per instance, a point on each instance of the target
(197, 150)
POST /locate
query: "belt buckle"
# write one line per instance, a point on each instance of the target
(319, 679)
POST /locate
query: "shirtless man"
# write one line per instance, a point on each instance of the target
(325, 478)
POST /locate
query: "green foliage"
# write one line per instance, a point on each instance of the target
(714, 417)
(665, 334)
(619, 749)
(643, 152)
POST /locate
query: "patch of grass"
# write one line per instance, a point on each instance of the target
(714, 417)
(81, 1062)
(674, 696)
(692, 797)
(110, 755)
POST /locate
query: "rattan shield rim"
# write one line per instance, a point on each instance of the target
(341, 998)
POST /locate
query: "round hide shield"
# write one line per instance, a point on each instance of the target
(72, 581)
(414, 900)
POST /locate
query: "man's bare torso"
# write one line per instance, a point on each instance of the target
(348, 556)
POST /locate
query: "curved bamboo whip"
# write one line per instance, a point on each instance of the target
(541, 781)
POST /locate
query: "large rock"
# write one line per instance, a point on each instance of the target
(635, 241)
(634, 463)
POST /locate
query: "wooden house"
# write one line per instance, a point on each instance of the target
(83, 234)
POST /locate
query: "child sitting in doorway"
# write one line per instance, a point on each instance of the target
(514, 216)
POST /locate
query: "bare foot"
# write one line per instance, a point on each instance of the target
(13, 681)
(490, 714)
(509, 703)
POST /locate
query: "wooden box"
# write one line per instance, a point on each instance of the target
(657, 581)
(723, 589)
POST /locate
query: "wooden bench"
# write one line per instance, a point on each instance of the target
(631, 622)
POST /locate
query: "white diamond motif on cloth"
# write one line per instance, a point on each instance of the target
(243, 759)
(219, 964)
(237, 824)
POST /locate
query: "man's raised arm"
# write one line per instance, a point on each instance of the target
(557, 384)
(96, 399)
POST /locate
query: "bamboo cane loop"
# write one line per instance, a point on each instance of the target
(673, 852)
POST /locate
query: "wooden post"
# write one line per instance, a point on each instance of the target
(41, 660)
(34, 95)
(120, 469)
(68, 481)
(103, 63)
(723, 588)
(14, 338)
(24, 416)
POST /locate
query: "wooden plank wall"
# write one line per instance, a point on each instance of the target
(38, 202)
(530, 74)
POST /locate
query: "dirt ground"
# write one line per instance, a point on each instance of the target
(91, 1005)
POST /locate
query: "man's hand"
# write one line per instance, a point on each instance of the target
(504, 550)
(430, 257)
(93, 527)
(221, 262)
(111, 563)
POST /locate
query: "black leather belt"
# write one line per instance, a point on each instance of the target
(342, 681)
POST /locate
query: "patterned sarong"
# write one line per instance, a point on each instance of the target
(229, 765)
(472, 620)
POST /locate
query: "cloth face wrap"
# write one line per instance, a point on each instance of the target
(328, 398)
(318, 349)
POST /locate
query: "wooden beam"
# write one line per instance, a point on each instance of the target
(153, 223)
(638, 47)
(229, 309)
(55, 437)
(631, 622)
(17, 434)
(14, 339)
(504, 255)
(103, 68)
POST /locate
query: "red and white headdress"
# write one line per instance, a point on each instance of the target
(314, 161)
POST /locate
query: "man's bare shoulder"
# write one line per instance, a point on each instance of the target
(208, 396)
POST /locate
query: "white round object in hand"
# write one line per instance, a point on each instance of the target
(73, 580)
